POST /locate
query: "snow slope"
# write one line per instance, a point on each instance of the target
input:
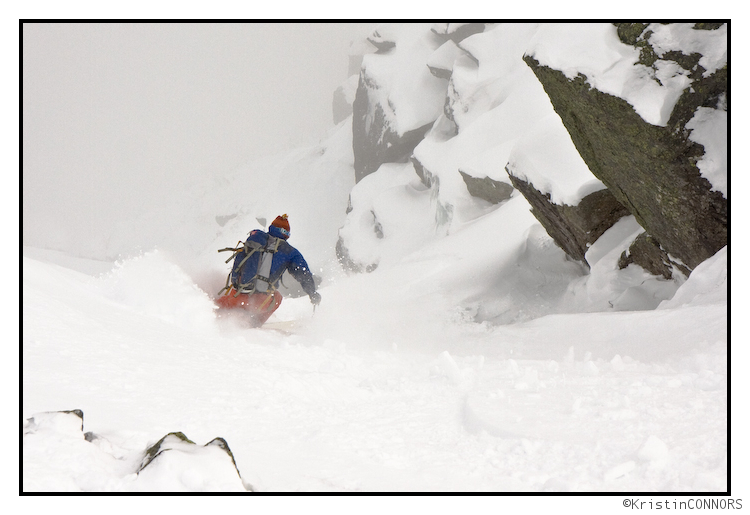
(374, 392)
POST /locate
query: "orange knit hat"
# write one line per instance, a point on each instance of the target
(282, 224)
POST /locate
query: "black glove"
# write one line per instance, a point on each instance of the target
(315, 298)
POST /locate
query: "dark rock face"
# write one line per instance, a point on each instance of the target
(168, 441)
(443, 212)
(574, 228)
(374, 141)
(161, 446)
(487, 189)
(650, 170)
(224, 446)
(424, 175)
(440, 73)
(646, 252)
(383, 44)
(461, 31)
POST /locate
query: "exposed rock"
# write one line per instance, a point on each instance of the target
(651, 170)
(345, 260)
(374, 141)
(630, 32)
(342, 252)
(448, 107)
(646, 252)
(708, 26)
(381, 42)
(574, 228)
(91, 437)
(487, 189)
(458, 31)
(377, 226)
(443, 211)
(425, 176)
(441, 61)
(68, 418)
(711, 91)
(440, 72)
(178, 441)
(67, 426)
(224, 446)
(78, 413)
(388, 121)
(166, 443)
(349, 264)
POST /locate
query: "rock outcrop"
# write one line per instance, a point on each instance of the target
(384, 130)
(457, 32)
(185, 466)
(487, 189)
(651, 170)
(574, 228)
(646, 252)
(178, 442)
(70, 419)
(374, 140)
(581, 149)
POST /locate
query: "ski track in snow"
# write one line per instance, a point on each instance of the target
(562, 403)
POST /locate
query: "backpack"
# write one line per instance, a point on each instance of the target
(260, 282)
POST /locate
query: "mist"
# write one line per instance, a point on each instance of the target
(119, 117)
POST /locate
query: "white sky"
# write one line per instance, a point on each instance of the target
(115, 115)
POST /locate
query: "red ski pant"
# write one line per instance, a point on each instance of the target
(260, 306)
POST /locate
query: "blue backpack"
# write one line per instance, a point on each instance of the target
(260, 262)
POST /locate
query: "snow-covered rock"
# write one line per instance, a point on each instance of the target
(497, 116)
(630, 104)
(176, 464)
(397, 99)
(90, 463)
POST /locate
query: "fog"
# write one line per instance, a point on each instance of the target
(116, 117)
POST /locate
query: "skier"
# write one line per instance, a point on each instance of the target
(258, 266)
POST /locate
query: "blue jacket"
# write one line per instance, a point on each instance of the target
(286, 258)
